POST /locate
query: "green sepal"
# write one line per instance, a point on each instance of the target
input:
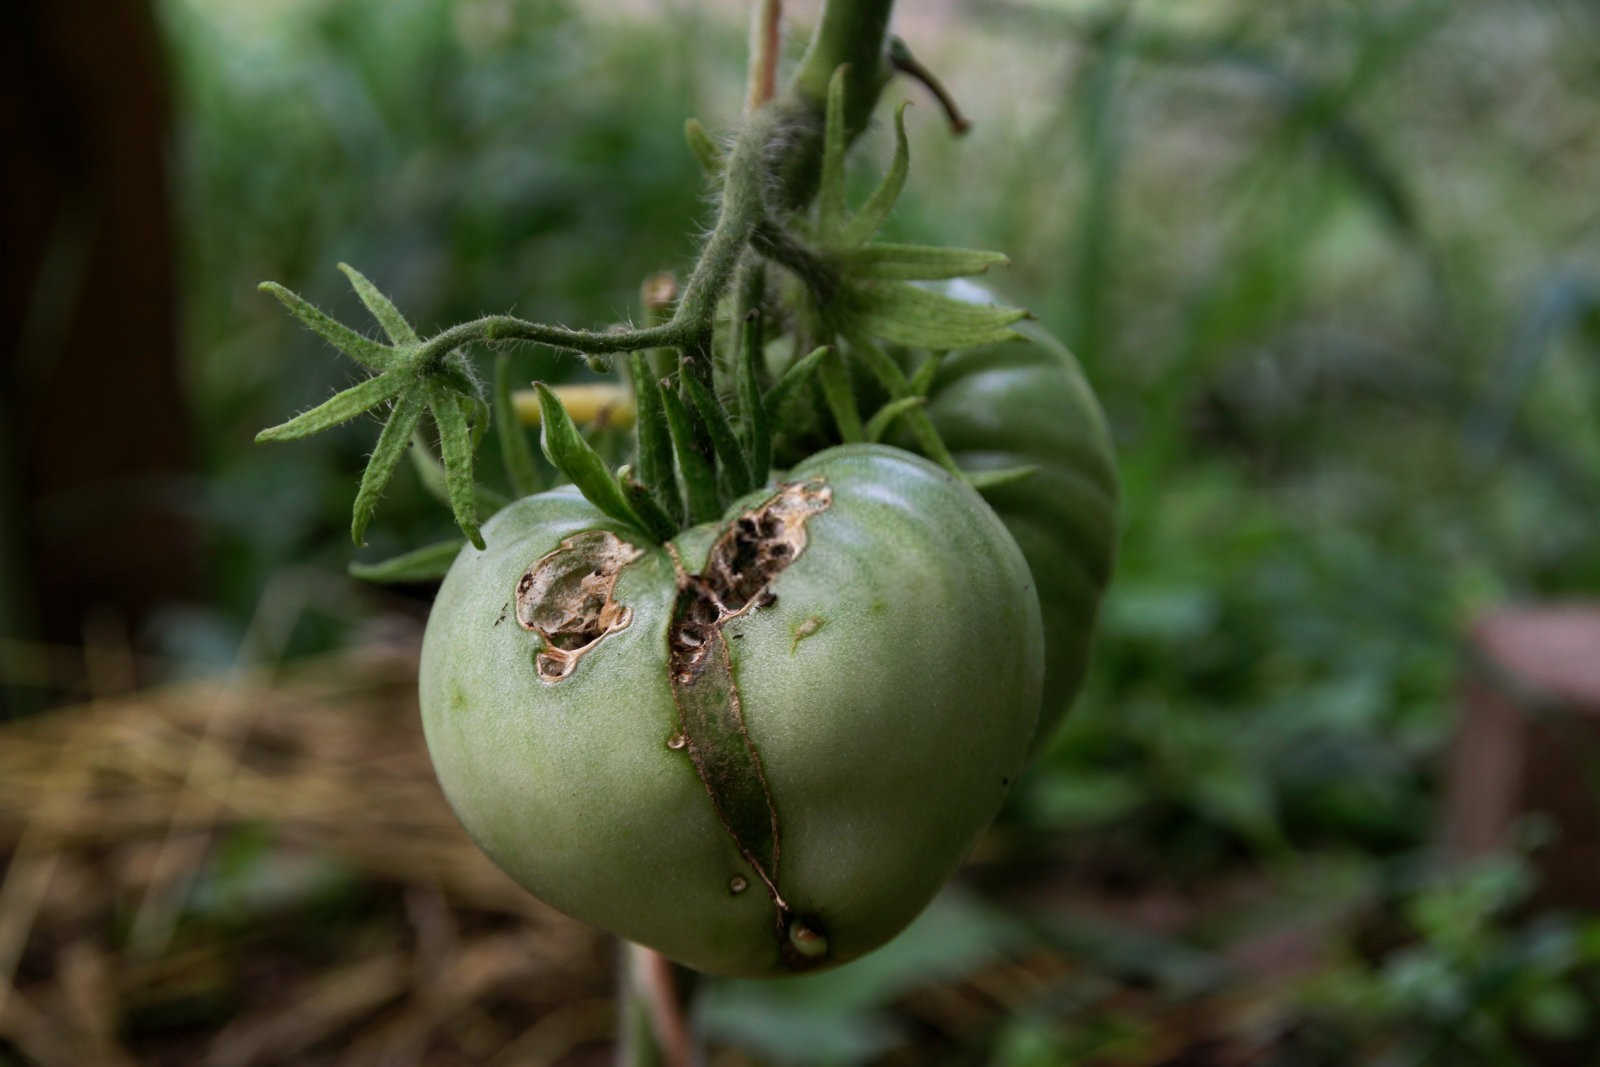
(830, 189)
(914, 263)
(866, 222)
(884, 417)
(695, 477)
(382, 308)
(343, 406)
(981, 480)
(660, 525)
(430, 472)
(840, 396)
(570, 454)
(455, 451)
(922, 377)
(426, 564)
(798, 373)
(730, 457)
(515, 451)
(895, 383)
(363, 350)
(392, 444)
(753, 411)
(921, 318)
(653, 440)
(706, 151)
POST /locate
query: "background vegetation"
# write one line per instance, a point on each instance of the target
(1334, 268)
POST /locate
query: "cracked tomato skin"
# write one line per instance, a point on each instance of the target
(891, 690)
(1027, 403)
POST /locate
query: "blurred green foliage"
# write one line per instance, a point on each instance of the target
(1334, 268)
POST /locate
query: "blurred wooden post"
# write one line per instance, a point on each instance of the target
(1528, 743)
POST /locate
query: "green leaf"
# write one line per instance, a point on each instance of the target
(654, 442)
(392, 444)
(455, 449)
(921, 318)
(866, 222)
(695, 476)
(363, 350)
(884, 417)
(910, 263)
(342, 407)
(730, 457)
(799, 372)
(426, 564)
(830, 190)
(757, 427)
(705, 150)
(514, 449)
(394, 324)
(566, 449)
(841, 397)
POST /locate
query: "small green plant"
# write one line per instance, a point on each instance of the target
(749, 697)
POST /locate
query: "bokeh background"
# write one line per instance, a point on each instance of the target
(1331, 794)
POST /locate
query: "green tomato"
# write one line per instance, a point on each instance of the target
(760, 748)
(1026, 403)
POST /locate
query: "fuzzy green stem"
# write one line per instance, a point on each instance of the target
(493, 328)
(742, 208)
(852, 32)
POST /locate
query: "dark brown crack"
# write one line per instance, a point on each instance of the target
(741, 566)
(752, 551)
(566, 598)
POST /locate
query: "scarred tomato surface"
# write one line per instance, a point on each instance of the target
(760, 748)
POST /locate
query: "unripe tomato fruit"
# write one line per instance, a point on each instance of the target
(759, 749)
(1027, 403)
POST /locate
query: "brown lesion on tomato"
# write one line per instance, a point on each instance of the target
(737, 577)
(566, 597)
(754, 549)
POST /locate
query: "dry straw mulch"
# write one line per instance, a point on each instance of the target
(360, 926)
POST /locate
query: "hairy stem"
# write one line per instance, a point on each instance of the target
(851, 33)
